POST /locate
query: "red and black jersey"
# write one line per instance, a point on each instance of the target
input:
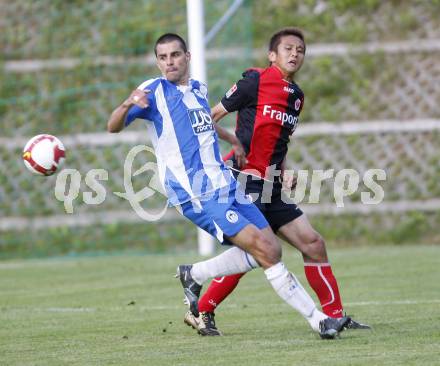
(268, 108)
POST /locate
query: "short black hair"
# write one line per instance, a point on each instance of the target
(275, 40)
(170, 37)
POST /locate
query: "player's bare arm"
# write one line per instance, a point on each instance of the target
(217, 113)
(289, 179)
(239, 153)
(116, 121)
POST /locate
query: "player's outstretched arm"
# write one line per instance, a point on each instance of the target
(117, 118)
(217, 113)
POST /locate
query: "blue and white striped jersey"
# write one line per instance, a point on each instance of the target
(184, 139)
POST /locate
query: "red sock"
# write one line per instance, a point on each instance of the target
(217, 291)
(323, 282)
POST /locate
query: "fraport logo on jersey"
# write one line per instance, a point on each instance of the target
(201, 121)
(283, 117)
(231, 216)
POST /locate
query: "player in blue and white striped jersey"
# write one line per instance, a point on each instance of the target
(201, 186)
(183, 137)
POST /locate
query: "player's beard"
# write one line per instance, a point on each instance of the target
(178, 76)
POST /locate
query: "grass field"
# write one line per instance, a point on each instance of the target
(127, 310)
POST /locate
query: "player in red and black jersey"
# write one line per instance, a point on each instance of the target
(268, 108)
(269, 102)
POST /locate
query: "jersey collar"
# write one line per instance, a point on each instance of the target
(280, 74)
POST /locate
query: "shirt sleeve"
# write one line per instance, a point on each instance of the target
(135, 112)
(241, 93)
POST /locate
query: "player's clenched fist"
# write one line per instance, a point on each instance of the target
(289, 182)
(138, 97)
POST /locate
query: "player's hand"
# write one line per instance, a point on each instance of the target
(239, 153)
(289, 182)
(138, 97)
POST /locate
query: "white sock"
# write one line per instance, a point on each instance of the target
(287, 286)
(231, 261)
(315, 318)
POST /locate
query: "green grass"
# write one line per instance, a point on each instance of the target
(127, 310)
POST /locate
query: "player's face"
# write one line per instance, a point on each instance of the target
(173, 62)
(289, 56)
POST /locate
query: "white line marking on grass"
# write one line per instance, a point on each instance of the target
(39, 264)
(226, 306)
(396, 302)
(49, 310)
(235, 306)
(71, 310)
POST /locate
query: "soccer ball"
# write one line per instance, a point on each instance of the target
(44, 154)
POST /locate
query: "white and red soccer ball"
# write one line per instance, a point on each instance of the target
(44, 154)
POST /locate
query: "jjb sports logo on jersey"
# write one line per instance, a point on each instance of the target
(201, 121)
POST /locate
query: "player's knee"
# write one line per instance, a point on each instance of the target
(269, 251)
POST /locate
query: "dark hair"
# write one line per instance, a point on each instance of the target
(275, 40)
(170, 37)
